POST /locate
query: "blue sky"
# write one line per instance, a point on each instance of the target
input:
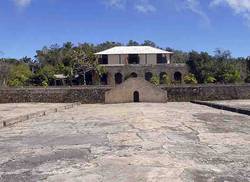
(202, 25)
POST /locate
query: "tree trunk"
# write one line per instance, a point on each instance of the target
(84, 78)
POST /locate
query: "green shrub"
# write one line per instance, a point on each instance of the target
(166, 80)
(19, 75)
(155, 80)
(190, 79)
(232, 77)
(210, 79)
(45, 84)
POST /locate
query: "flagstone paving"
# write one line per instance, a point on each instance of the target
(128, 143)
(244, 104)
(8, 111)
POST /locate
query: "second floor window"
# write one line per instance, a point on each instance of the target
(161, 59)
(133, 59)
(103, 59)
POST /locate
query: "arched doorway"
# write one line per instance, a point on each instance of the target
(178, 77)
(104, 79)
(133, 75)
(136, 96)
(148, 76)
(118, 78)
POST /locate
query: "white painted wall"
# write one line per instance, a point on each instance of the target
(122, 59)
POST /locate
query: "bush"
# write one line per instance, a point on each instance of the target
(45, 84)
(232, 77)
(166, 80)
(19, 75)
(210, 79)
(155, 80)
(190, 79)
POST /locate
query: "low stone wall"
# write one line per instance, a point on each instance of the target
(89, 95)
(207, 92)
(32, 115)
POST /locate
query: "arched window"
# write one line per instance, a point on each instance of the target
(148, 76)
(104, 79)
(162, 77)
(118, 78)
(133, 75)
(136, 96)
(178, 77)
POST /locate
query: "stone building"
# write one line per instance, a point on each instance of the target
(135, 90)
(123, 62)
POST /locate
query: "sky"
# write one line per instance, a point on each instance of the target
(201, 25)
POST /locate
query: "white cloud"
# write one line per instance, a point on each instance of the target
(22, 3)
(195, 7)
(116, 3)
(144, 6)
(240, 7)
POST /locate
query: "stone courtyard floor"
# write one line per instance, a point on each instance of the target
(128, 143)
(244, 104)
(8, 111)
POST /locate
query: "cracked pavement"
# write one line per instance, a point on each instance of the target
(128, 142)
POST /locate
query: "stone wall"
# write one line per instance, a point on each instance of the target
(140, 70)
(207, 92)
(97, 94)
(54, 95)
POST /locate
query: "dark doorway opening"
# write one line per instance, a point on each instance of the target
(136, 96)
(118, 78)
(148, 76)
(178, 77)
(133, 75)
(104, 79)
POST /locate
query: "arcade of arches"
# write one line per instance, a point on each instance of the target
(90, 77)
(177, 77)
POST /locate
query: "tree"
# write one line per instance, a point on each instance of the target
(4, 72)
(132, 43)
(222, 55)
(149, 43)
(201, 65)
(19, 75)
(247, 80)
(106, 45)
(44, 76)
(83, 63)
(178, 56)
